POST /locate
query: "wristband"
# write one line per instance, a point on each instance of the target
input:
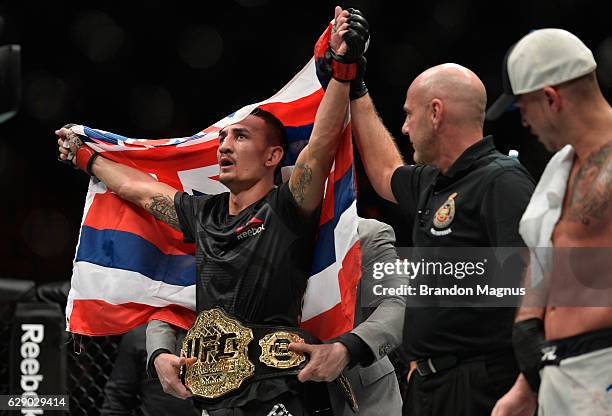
(528, 339)
(85, 157)
(343, 72)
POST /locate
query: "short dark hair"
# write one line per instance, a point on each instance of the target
(277, 135)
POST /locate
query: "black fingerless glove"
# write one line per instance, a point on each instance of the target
(346, 67)
(358, 86)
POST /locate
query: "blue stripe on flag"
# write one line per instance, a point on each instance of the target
(297, 138)
(344, 195)
(107, 137)
(127, 251)
(324, 253)
(298, 132)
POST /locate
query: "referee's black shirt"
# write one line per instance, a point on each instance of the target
(492, 192)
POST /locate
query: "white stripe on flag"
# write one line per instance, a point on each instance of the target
(116, 286)
(199, 179)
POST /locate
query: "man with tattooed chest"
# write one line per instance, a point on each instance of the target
(563, 332)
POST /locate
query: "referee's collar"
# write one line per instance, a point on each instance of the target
(471, 155)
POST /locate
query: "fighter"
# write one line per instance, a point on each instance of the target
(550, 76)
(252, 281)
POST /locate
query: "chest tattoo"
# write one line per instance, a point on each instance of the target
(592, 187)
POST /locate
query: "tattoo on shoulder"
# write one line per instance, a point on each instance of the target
(303, 179)
(162, 207)
(592, 188)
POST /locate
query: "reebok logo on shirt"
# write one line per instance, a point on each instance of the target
(252, 227)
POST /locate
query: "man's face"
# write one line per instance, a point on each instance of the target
(418, 127)
(536, 116)
(242, 153)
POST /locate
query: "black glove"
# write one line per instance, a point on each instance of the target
(349, 66)
(358, 86)
(357, 37)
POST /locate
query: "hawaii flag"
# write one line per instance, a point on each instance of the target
(130, 268)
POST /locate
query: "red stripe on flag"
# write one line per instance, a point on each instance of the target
(341, 317)
(323, 43)
(117, 319)
(328, 324)
(344, 154)
(300, 112)
(109, 212)
(165, 161)
(327, 207)
(348, 277)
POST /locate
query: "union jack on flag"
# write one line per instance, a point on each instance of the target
(130, 268)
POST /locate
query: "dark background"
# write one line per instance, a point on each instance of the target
(155, 69)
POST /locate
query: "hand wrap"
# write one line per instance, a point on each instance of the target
(528, 339)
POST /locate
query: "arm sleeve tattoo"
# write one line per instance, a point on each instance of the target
(161, 206)
(303, 180)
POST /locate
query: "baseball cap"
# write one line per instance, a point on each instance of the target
(541, 58)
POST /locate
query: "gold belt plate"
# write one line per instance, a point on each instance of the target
(275, 350)
(220, 345)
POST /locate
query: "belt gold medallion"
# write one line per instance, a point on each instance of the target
(220, 345)
(275, 350)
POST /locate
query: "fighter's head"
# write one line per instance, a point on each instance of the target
(540, 72)
(251, 150)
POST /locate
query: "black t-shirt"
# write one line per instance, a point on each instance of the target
(492, 192)
(254, 265)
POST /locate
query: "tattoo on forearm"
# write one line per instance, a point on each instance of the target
(592, 189)
(162, 207)
(303, 180)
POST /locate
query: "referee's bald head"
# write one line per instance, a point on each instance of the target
(458, 87)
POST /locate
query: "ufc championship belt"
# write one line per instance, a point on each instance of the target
(224, 361)
(227, 357)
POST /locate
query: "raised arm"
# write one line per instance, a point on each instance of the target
(130, 184)
(314, 162)
(376, 146)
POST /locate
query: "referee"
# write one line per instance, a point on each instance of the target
(461, 193)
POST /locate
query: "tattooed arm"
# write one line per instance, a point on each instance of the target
(315, 161)
(129, 183)
(140, 188)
